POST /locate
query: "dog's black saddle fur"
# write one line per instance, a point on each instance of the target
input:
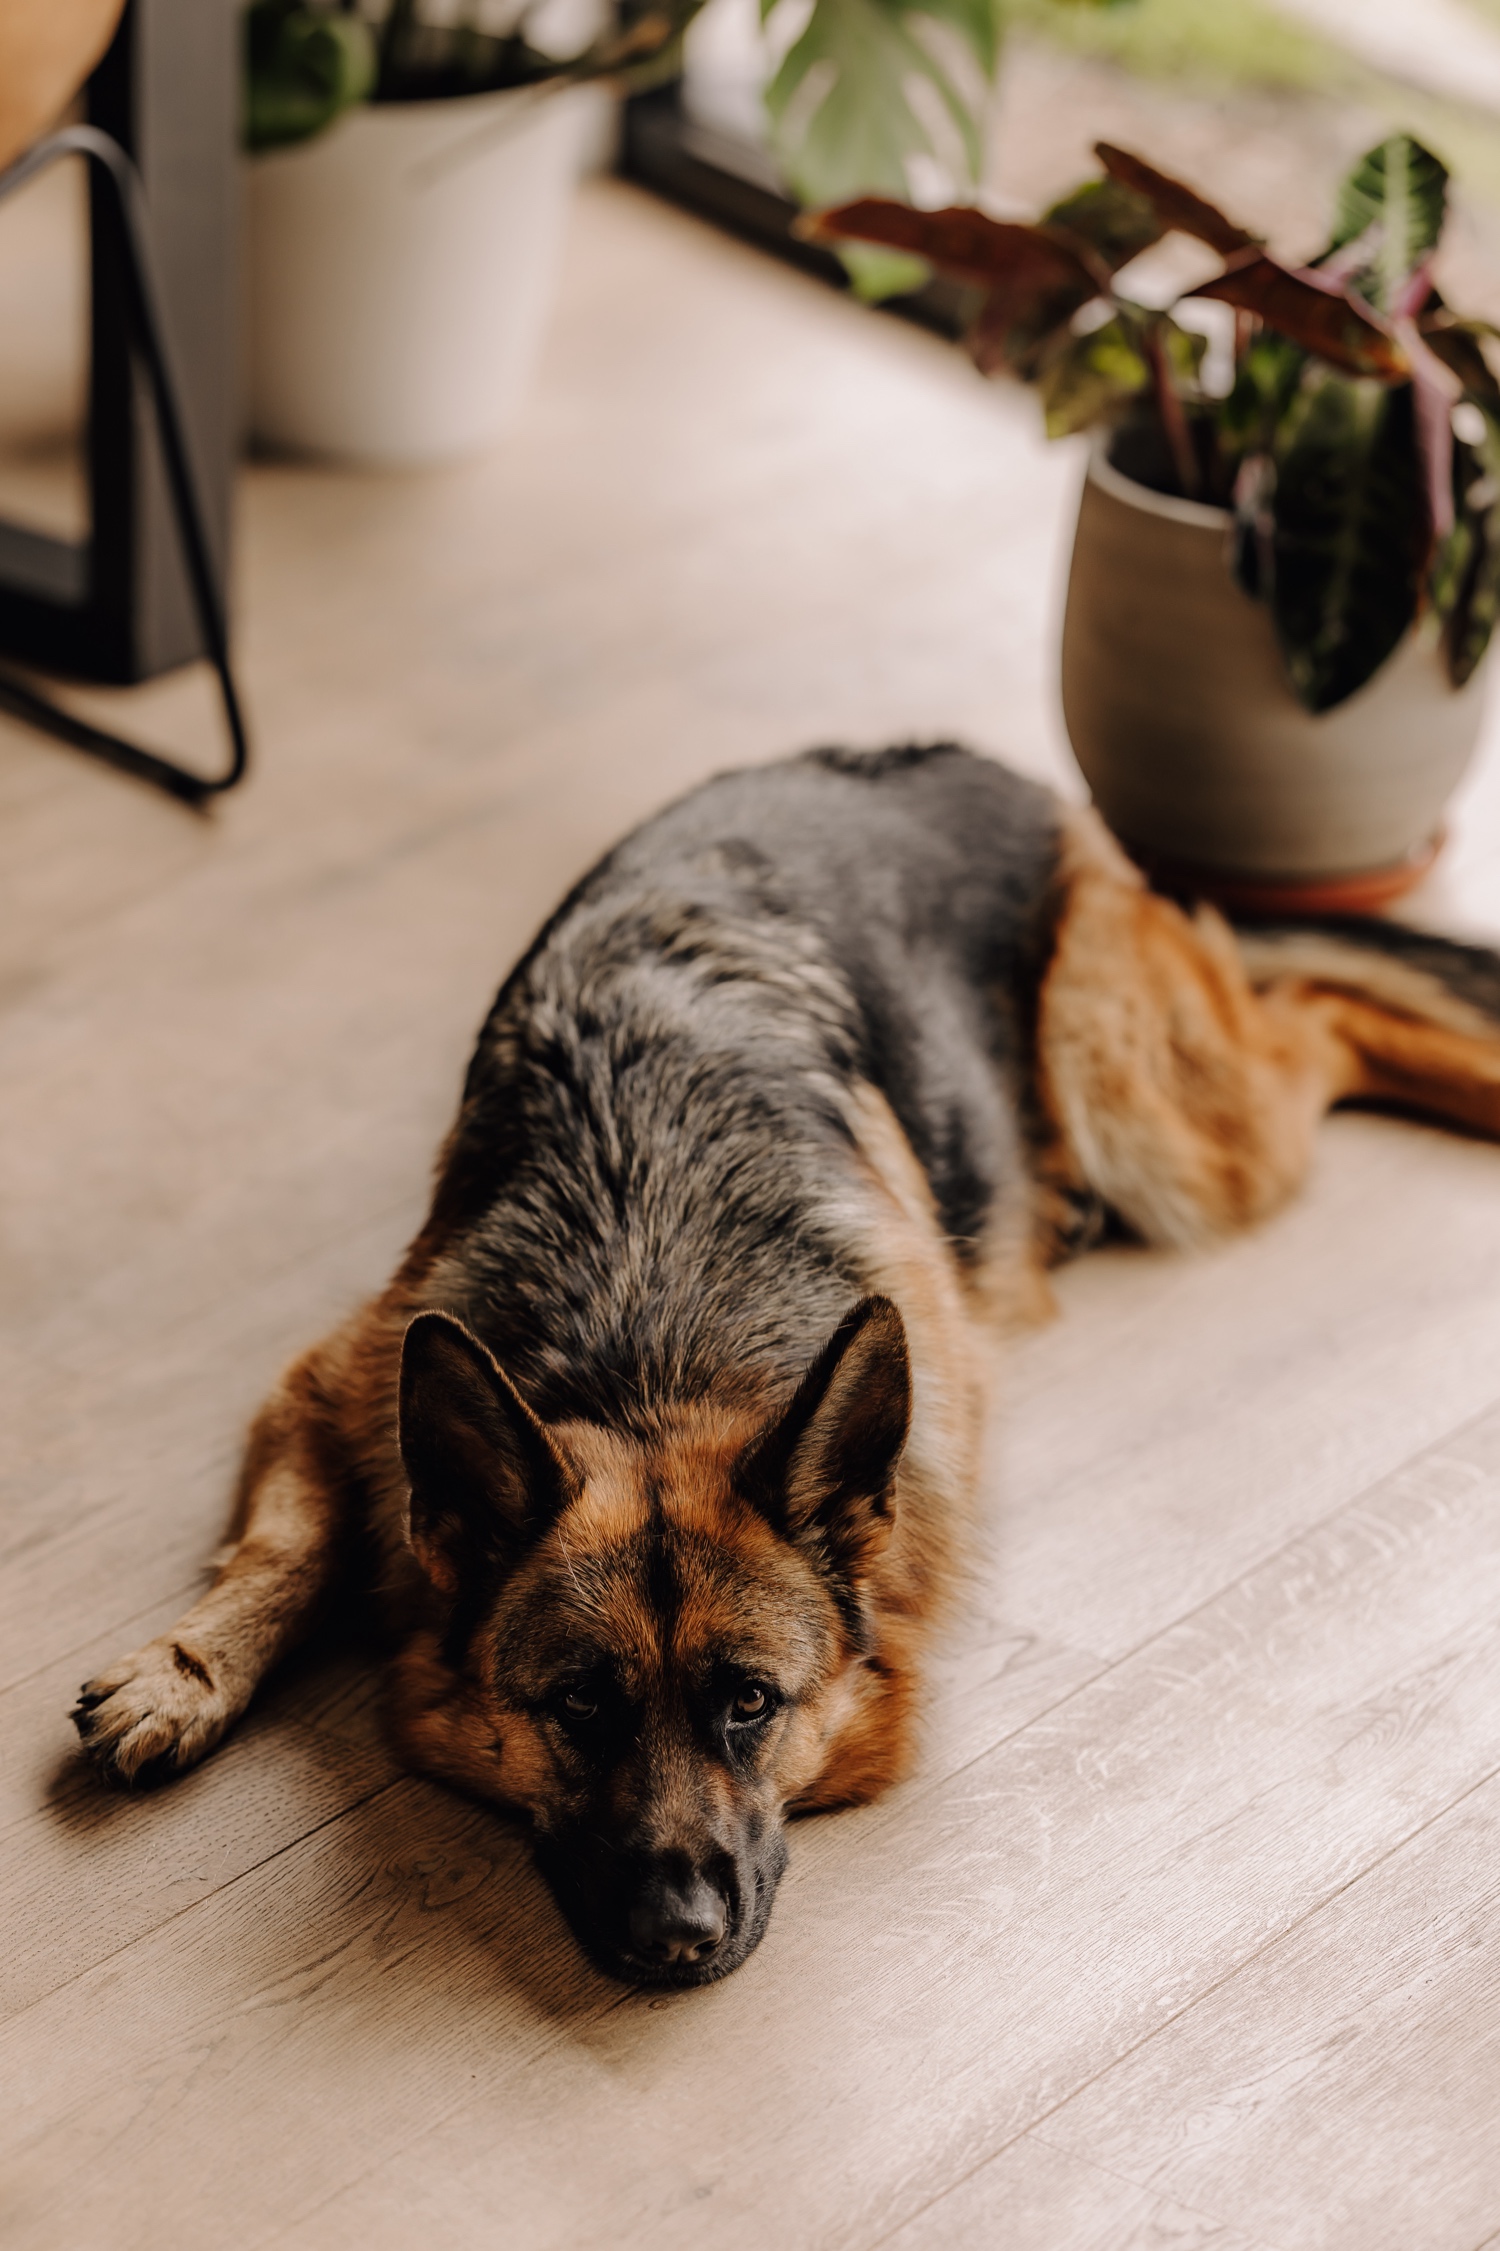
(645, 1153)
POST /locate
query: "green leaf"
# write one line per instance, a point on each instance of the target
(878, 274)
(1086, 380)
(979, 22)
(1466, 568)
(1396, 196)
(1184, 348)
(1266, 377)
(1351, 532)
(840, 107)
(303, 69)
(1115, 222)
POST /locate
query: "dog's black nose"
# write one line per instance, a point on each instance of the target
(674, 1924)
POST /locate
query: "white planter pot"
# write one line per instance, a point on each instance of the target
(401, 269)
(1196, 749)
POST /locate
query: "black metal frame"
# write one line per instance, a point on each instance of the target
(144, 332)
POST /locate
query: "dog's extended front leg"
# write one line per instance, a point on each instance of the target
(162, 1708)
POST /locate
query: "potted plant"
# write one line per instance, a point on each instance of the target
(409, 187)
(410, 180)
(1283, 587)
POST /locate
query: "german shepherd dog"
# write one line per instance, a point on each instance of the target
(663, 1438)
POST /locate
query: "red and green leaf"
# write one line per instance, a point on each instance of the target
(961, 240)
(1310, 312)
(1176, 205)
(1035, 279)
(1391, 207)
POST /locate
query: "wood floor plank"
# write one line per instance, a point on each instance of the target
(86, 1871)
(253, 2047)
(1374, 2026)
(1036, 2195)
(1187, 1414)
(120, 1480)
(92, 1872)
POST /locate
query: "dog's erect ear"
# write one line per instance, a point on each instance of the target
(823, 1472)
(485, 1477)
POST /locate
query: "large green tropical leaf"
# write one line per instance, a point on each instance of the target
(978, 22)
(840, 105)
(1351, 534)
(1393, 202)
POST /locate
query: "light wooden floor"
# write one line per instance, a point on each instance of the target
(1186, 1933)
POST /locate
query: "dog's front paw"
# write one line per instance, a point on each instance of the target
(152, 1714)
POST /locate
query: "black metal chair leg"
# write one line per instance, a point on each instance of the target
(16, 696)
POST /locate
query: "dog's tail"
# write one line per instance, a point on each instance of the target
(1436, 980)
(1425, 1014)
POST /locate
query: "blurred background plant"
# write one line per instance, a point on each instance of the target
(949, 97)
(308, 61)
(861, 92)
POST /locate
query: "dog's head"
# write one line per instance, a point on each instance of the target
(650, 1648)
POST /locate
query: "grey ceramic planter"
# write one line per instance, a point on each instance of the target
(1193, 744)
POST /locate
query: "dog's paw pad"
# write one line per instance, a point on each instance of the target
(152, 1714)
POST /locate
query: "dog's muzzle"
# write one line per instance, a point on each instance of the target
(665, 1920)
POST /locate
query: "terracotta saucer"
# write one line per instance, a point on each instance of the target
(1272, 899)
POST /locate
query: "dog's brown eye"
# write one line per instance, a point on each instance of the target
(751, 1704)
(578, 1706)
